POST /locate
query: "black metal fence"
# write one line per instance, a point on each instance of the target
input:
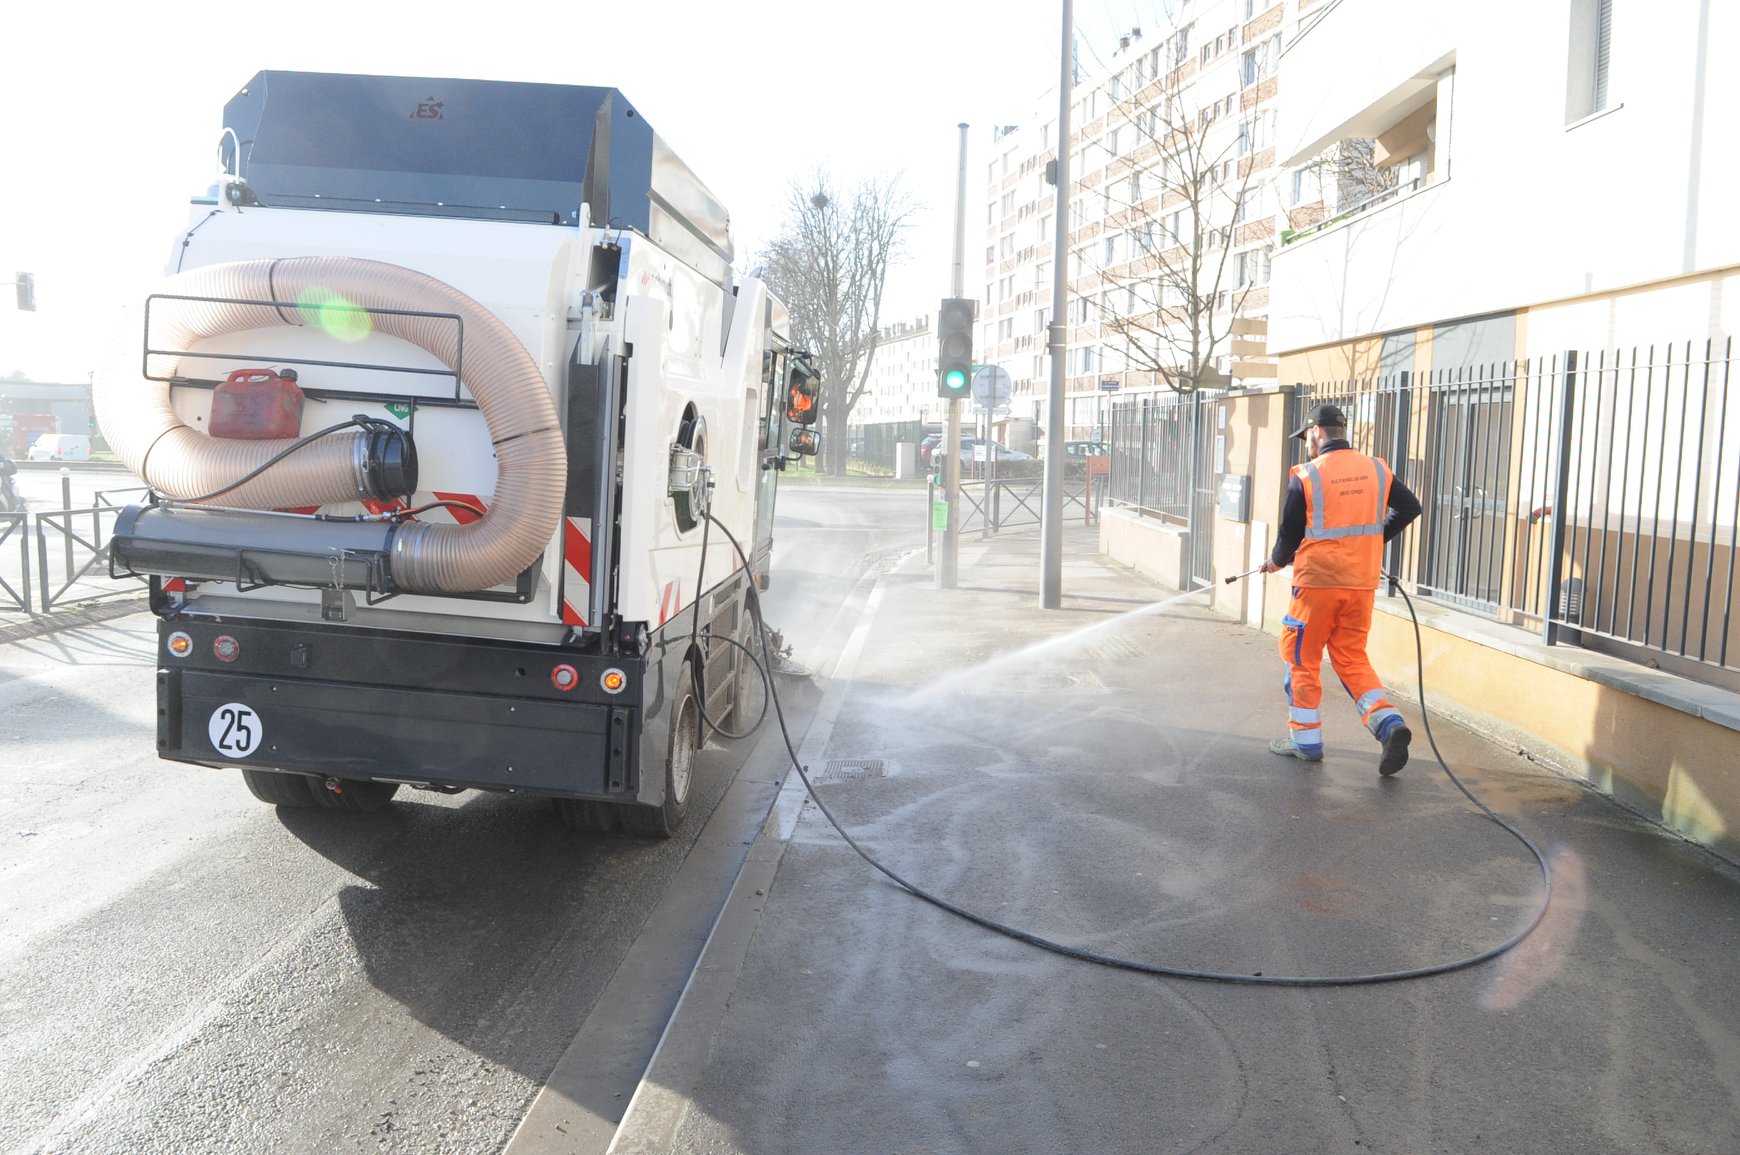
(1163, 464)
(1151, 456)
(873, 448)
(52, 558)
(1594, 497)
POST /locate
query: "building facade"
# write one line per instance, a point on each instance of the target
(902, 382)
(1174, 210)
(1534, 321)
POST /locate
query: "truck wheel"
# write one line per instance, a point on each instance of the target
(356, 794)
(746, 679)
(685, 745)
(280, 789)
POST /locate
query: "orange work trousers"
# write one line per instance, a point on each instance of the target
(1337, 620)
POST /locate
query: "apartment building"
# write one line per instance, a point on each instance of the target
(902, 383)
(1174, 209)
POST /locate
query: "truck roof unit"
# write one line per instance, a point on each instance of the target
(486, 149)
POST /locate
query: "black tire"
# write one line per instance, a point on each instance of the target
(279, 789)
(747, 678)
(681, 755)
(354, 794)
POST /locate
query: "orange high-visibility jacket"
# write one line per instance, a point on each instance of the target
(1347, 500)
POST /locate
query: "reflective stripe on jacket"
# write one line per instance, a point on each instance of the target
(1347, 500)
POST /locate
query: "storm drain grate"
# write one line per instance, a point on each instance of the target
(852, 769)
(1112, 648)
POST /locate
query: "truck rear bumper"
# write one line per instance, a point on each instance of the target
(409, 709)
(419, 736)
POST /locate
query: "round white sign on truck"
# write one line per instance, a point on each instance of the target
(235, 730)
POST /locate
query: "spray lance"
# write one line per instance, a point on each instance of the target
(1241, 576)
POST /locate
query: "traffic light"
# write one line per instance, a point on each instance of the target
(954, 376)
(26, 283)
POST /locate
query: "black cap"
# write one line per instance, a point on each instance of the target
(1323, 415)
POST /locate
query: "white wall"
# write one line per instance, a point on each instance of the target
(1531, 210)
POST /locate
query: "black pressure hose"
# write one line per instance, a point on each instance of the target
(697, 654)
(1186, 972)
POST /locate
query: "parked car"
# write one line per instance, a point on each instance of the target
(976, 450)
(927, 447)
(60, 447)
(1086, 448)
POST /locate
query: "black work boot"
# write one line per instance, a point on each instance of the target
(1395, 754)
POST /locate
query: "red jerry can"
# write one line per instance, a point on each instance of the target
(257, 405)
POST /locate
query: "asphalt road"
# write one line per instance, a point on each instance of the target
(183, 968)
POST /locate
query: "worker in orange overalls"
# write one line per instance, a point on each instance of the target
(1341, 507)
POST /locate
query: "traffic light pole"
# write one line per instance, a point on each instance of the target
(1051, 506)
(948, 561)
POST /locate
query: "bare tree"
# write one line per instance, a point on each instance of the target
(1175, 205)
(829, 264)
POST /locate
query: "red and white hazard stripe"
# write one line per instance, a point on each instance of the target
(576, 570)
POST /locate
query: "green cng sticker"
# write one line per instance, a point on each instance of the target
(399, 409)
(939, 515)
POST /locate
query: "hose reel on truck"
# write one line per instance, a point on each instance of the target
(219, 519)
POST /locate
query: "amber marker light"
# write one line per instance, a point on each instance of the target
(179, 644)
(613, 681)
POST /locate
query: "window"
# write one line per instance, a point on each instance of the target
(1135, 188)
(1588, 72)
(1111, 255)
(1116, 151)
(990, 254)
(1304, 186)
(1085, 359)
(1082, 305)
(1006, 329)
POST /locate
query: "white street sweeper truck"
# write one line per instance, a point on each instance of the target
(449, 390)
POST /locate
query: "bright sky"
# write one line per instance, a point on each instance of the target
(112, 120)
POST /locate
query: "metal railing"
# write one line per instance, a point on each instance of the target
(1151, 456)
(16, 525)
(989, 506)
(1592, 497)
(62, 554)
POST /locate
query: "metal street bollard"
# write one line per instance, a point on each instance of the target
(66, 528)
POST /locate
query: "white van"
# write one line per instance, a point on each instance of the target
(60, 447)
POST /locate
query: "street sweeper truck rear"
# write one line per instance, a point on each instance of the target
(451, 408)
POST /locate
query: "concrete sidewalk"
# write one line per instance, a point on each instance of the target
(1114, 791)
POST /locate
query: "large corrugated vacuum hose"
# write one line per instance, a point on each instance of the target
(183, 463)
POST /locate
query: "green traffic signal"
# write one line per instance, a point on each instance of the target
(955, 349)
